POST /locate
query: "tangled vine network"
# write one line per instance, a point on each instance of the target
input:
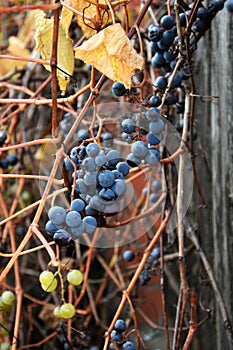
(97, 170)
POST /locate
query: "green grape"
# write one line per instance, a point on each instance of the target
(51, 287)
(75, 277)
(57, 312)
(67, 310)
(46, 278)
(8, 297)
(5, 346)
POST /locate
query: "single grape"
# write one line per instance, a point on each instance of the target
(116, 336)
(90, 224)
(81, 187)
(161, 82)
(153, 113)
(154, 33)
(168, 37)
(119, 187)
(107, 194)
(144, 277)
(77, 205)
(118, 89)
(57, 215)
(156, 185)
(3, 137)
(75, 277)
(77, 231)
(73, 218)
(132, 160)
(157, 60)
(83, 134)
(92, 149)
(157, 126)
(153, 197)
(155, 101)
(90, 178)
(128, 126)
(139, 149)
(101, 159)
(123, 168)
(50, 228)
(152, 139)
(67, 310)
(4, 164)
(118, 174)
(12, 159)
(106, 178)
(107, 139)
(49, 287)
(113, 157)
(167, 22)
(128, 255)
(62, 238)
(170, 99)
(57, 312)
(155, 254)
(128, 345)
(46, 277)
(8, 297)
(88, 164)
(120, 325)
(155, 152)
(151, 158)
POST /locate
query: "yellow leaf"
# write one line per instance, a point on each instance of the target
(112, 53)
(85, 10)
(65, 54)
(16, 48)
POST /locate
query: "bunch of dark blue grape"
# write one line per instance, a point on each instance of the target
(65, 225)
(11, 159)
(118, 337)
(165, 46)
(151, 263)
(144, 131)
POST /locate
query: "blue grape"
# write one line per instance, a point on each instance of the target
(62, 237)
(116, 336)
(167, 22)
(3, 137)
(81, 186)
(152, 138)
(88, 164)
(89, 211)
(107, 194)
(152, 114)
(73, 218)
(123, 168)
(161, 82)
(183, 19)
(229, 5)
(68, 165)
(128, 255)
(156, 185)
(50, 228)
(162, 46)
(153, 197)
(120, 325)
(155, 101)
(90, 178)
(144, 276)
(170, 99)
(177, 80)
(113, 157)
(118, 174)
(128, 126)
(96, 203)
(57, 215)
(4, 164)
(101, 159)
(202, 13)
(168, 37)
(132, 160)
(151, 158)
(169, 56)
(157, 60)
(77, 231)
(155, 152)
(83, 134)
(77, 205)
(139, 149)
(78, 153)
(106, 178)
(118, 89)
(12, 159)
(90, 224)
(107, 139)
(156, 126)
(155, 254)
(92, 149)
(119, 187)
(128, 345)
(154, 33)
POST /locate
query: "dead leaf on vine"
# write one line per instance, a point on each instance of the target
(111, 52)
(65, 54)
(85, 10)
(16, 48)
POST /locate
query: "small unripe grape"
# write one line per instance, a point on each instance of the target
(67, 310)
(75, 277)
(46, 278)
(8, 297)
(51, 287)
(57, 312)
